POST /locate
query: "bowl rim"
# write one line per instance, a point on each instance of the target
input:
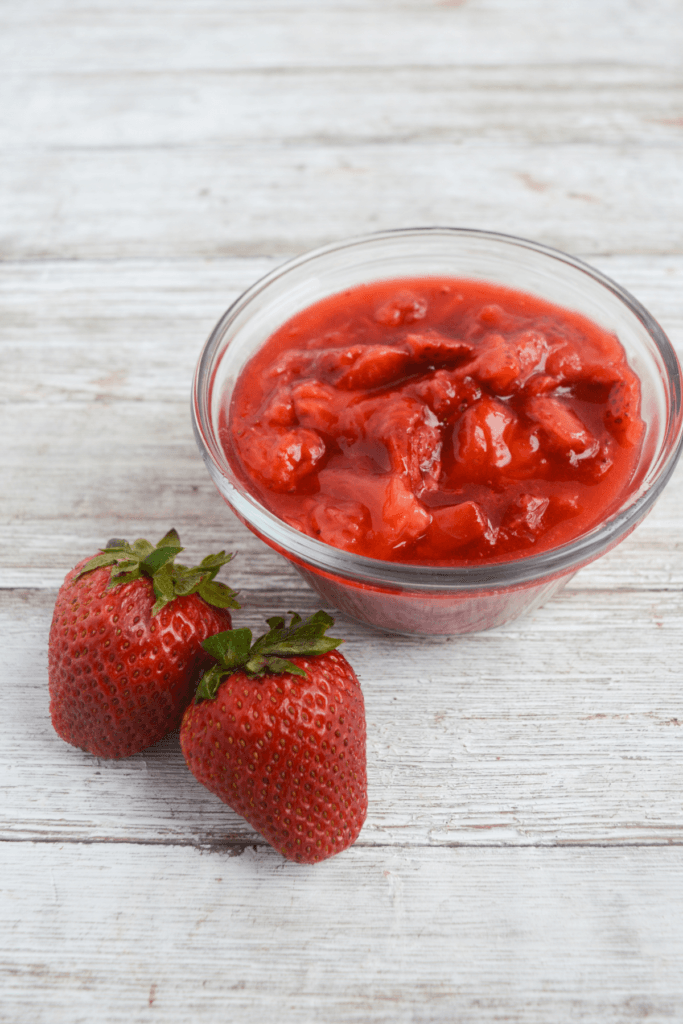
(313, 554)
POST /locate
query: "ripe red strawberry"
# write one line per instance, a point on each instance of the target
(125, 643)
(283, 741)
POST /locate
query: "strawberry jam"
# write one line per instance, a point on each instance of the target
(437, 421)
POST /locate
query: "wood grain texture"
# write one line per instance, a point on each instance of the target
(521, 861)
(266, 130)
(230, 200)
(521, 936)
(607, 104)
(159, 35)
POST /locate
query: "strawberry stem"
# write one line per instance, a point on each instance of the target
(130, 562)
(234, 650)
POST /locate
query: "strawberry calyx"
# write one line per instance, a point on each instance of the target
(234, 650)
(130, 562)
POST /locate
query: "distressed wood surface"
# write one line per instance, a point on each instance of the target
(522, 857)
(47, 35)
(99, 203)
(518, 935)
(608, 104)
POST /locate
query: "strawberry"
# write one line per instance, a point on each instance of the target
(283, 741)
(282, 457)
(124, 647)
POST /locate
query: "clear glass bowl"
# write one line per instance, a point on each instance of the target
(417, 599)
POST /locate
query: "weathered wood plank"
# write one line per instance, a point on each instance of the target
(605, 104)
(255, 200)
(131, 933)
(51, 36)
(564, 728)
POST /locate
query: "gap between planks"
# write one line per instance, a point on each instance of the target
(238, 847)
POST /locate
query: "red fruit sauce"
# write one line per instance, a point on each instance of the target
(437, 421)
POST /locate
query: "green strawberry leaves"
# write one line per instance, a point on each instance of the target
(216, 593)
(129, 562)
(158, 558)
(230, 648)
(233, 650)
(298, 638)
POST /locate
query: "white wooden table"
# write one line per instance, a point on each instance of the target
(522, 859)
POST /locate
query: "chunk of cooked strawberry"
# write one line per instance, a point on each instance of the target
(373, 366)
(541, 384)
(527, 458)
(411, 434)
(460, 524)
(432, 347)
(404, 518)
(532, 348)
(497, 364)
(446, 392)
(290, 365)
(396, 515)
(480, 439)
(404, 308)
(593, 468)
(341, 522)
(563, 506)
(318, 405)
(601, 362)
(278, 410)
(503, 364)
(406, 429)
(295, 364)
(562, 428)
(524, 517)
(281, 458)
(622, 415)
(493, 315)
(564, 362)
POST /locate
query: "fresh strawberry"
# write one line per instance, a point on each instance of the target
(283, 741)
(125, 643)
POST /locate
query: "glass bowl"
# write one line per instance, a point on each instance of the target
(419, 599)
